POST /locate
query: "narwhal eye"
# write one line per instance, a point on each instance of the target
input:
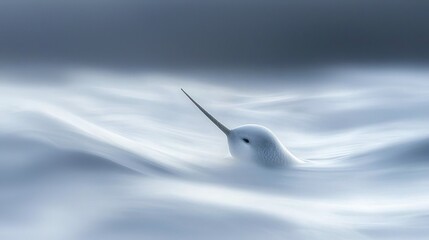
(246, 140)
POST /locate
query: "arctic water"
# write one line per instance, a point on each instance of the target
(93, 154)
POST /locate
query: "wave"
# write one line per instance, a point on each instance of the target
(403, 156)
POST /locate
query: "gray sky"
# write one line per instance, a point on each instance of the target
(213, 34)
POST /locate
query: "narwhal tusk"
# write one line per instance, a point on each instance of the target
(214, 120)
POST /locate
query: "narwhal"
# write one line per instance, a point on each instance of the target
(252, 142)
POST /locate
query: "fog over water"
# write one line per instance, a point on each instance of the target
(115, 155)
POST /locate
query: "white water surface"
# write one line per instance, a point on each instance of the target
(104, 155)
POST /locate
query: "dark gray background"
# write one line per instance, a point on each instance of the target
(213, 34)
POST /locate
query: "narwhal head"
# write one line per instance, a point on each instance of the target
(253, 142)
